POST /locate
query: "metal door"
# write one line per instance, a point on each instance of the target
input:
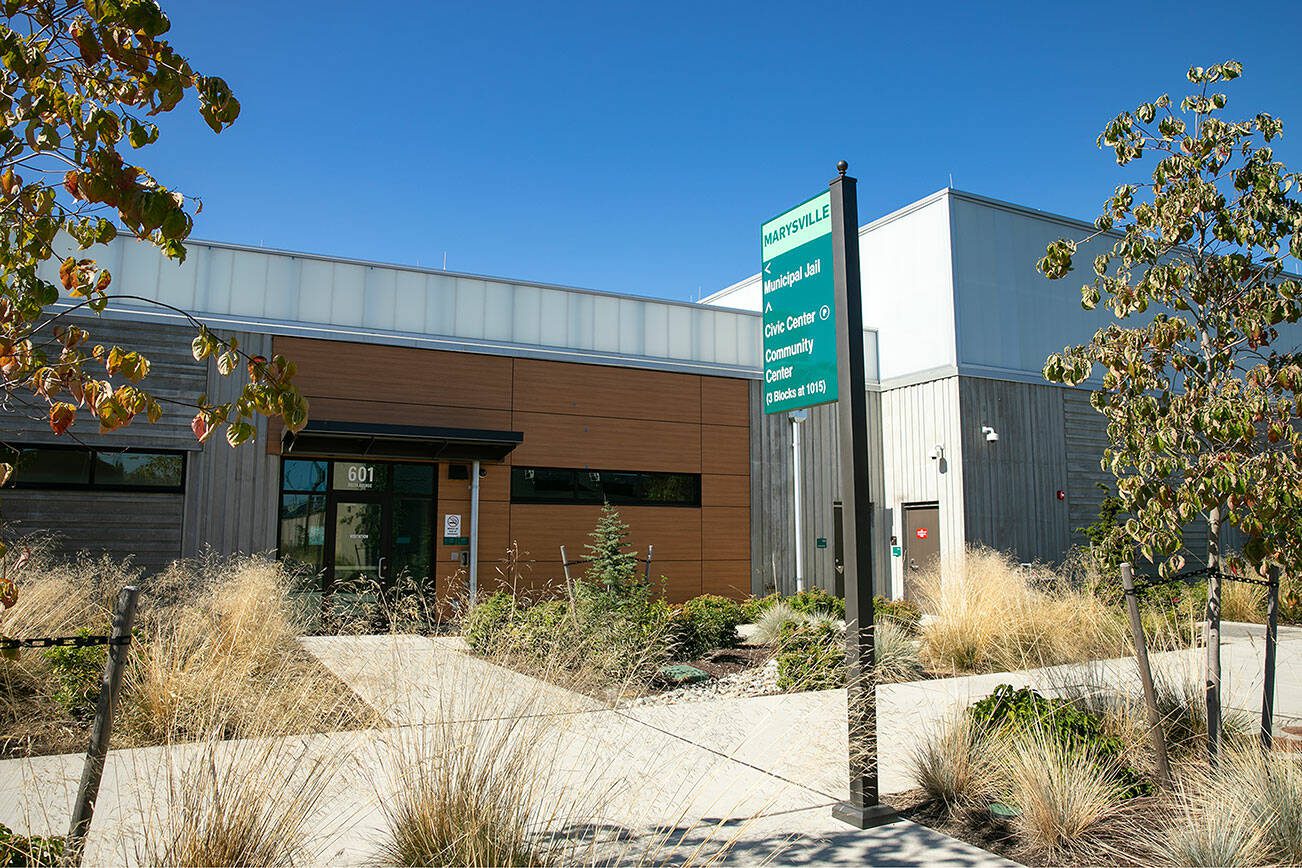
(921, 544)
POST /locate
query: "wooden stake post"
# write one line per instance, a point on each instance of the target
(1268, 676)
(124, 615)
(1156, 735)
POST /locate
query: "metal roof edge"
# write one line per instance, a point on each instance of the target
(435, 342)
(418, 269)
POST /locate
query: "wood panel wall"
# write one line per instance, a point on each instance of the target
(574, 416)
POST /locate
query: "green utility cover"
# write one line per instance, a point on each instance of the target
(681, 673)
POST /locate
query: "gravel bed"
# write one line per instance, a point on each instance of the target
(760, 681)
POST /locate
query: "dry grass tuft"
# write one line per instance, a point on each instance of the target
(988, 617)
(952, 764)
(1247, 811)
(1060, 791)
(470, 794)
(1241, 601)
(245, 803)
(216, 654)
(229, 662)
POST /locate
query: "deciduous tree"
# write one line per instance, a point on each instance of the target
(82, 83)
(1201, 382)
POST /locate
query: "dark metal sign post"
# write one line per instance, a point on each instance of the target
(863, 809)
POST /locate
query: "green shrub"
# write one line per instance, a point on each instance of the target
(77, 673)
(708, 622)
(1023, 710)
(485, 625)
(816, 601)
(538, 629)
(753, 607)
(23, 850)
(811, 655)
(901, 612)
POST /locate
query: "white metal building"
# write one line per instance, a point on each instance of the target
(976, 447)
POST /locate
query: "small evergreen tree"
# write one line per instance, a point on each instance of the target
(611, 563)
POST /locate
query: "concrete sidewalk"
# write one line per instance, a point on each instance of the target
(759, 773)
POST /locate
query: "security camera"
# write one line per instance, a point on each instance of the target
(992, 436)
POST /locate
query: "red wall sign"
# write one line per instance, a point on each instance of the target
(920, 533)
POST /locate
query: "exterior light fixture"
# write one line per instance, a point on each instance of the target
(937, 453)
(992, 436)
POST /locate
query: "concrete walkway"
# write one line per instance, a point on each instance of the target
(760, 774)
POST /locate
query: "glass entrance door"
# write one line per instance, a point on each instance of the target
(359, 524)
(360, 553)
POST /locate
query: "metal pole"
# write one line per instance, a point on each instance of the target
(1268, 678)
(862, 809)
(124, 615)
(474, 532)
(1212, 688)
(565, 565)
(1155, 733)
(650, 550)
(797, 416)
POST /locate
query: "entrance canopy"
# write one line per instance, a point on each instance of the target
(371, 440)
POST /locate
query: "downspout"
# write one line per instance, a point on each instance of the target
(797, 416)
(474, 532)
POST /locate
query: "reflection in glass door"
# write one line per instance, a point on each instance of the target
(359, 541)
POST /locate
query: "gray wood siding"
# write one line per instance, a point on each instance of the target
(174, 376)
(916, 419)
(145, 526)
(773, 560)
(1010, 486)
(232, 495)
(1087, 437)
(1086, 433)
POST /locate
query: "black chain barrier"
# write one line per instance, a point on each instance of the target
(7, 644)
(1189, 578)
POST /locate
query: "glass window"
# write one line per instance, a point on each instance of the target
(621, 487)
(58, 466)
(542, 484)
(304, 475)
(413, 478)
(302, 528)
(624, 487)
(139, 469)
(359, 476)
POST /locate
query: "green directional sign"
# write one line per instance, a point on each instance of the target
(799, 305)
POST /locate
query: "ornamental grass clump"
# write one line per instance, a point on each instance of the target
(1245, 811)
(953, 764)
(227, 659)
(251, 802)
(987, 617)
(1059, 789)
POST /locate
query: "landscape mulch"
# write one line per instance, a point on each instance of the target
(1111, 841)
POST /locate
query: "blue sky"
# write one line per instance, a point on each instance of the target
(637, 147)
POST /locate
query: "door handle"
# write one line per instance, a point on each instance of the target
(379, 568)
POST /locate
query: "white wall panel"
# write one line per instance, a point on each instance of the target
(289, 293)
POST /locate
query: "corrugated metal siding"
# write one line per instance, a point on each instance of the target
(373, 302)
(916, 419)
(1086, 432)
(1010, 486)
(232, 495)
(773, 560)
